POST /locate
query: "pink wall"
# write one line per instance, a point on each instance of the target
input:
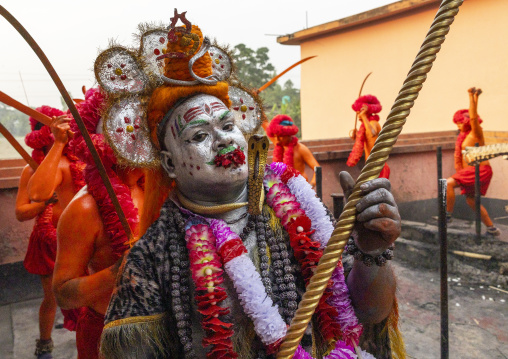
(472, 55)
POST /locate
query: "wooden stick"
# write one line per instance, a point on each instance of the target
(501, 290)
(9, 137)
(42, 118)
(472, 255)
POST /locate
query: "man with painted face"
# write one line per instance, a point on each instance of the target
(213, 278)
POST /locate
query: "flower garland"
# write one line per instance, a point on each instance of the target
(309, 228)
(335, 314)
(268, 323)
(206, 271)
(90, 111)
(285, 155)
(373, 108)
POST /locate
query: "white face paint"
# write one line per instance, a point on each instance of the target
(196, 131)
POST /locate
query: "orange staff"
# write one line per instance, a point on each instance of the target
(262, 88)
(282, 73)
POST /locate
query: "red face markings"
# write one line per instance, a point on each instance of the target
(192, 113)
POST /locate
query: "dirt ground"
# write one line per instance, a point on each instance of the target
(478, 320)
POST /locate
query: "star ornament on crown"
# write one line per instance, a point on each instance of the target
(129, 76)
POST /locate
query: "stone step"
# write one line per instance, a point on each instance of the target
(426, 256)
(419, 247)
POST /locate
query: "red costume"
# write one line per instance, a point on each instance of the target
(41, 252)
(362, 140)
(465, 177)
(88, 333)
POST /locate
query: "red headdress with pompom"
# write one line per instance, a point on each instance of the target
(41, 138)
(374, 107)
(281, 125)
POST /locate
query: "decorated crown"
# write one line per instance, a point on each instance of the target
(143, 84)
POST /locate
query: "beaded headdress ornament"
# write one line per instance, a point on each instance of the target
(165, 61)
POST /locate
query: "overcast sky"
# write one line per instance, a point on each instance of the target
(71, 34)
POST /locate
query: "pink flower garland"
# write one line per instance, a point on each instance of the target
(296, 220)
(335, 313)
(268, 323)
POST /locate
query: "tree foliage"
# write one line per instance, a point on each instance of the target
(16, 122)
(254, 70)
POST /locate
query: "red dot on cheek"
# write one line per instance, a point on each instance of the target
(198, 168)
(191, 173)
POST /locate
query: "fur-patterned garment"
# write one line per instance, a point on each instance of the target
(152, 304)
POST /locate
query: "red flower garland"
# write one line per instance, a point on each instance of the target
(307, 252)
(285, 154)
(207, 274)
(90, 111)
(462, 117)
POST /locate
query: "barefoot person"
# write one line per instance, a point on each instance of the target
(90, 236)
(367, 108)
(43, 194)
(287, 148)
(468, 123)
(210, 277)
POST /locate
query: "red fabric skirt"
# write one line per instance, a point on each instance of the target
(465, 179)
(88, 333)
(41, 253)
(385, 172)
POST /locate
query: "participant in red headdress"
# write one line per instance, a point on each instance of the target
(288, 149)
(471, 133)
(366, 107)
(90, 236)
(44, 194)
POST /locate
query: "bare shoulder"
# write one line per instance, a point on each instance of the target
(82, 211)
(302, 147)
(27, 172)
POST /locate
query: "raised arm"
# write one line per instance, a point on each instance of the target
(372, 288)
(48, 175)
(78, 229)
(25, 209)
(474, 94)
(309, 160)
